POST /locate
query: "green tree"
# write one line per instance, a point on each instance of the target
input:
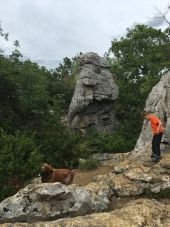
(58, 145)
(24, 94)
(138, 61)
(3, 34)
(61, 81)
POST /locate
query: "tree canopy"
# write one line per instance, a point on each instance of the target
(138, 62)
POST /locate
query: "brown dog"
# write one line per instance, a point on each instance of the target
(50, 175)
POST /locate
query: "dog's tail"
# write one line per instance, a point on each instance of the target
(72, 176)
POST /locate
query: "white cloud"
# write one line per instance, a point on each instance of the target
(49, 30)
(156, 22)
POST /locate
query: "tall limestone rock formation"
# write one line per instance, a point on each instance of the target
(157, 103)
(92, 105)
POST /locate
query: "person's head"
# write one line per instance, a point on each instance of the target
(144, 113)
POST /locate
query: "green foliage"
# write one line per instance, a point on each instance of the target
(61, 81)
(33, 100)
(109, 143)
(3, 34)
(19, 161)
(89, 164)
(138, 62)
(141, 52)
(24, 95)
(59, 145)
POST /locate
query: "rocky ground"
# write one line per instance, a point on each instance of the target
(126, 190)
(141, 212)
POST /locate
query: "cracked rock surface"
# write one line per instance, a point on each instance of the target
(92, 104)
(51, 201)
(157, 103)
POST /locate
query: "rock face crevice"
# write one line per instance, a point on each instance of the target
(92, 105)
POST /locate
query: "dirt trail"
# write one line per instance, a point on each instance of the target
(85, 177)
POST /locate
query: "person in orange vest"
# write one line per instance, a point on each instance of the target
(157, 131)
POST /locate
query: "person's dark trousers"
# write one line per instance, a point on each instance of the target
(156, 141)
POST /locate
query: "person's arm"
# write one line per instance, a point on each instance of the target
(159, 126)
(147, 117)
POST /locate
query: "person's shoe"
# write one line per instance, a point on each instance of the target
(160, 157)
(153, 155)
(155, 159)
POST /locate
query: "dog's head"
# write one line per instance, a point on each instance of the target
(45, 168)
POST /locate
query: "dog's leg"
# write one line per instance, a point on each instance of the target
(69, 178)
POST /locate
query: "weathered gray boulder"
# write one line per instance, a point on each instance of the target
(51, 201)
(140, 212)
(158, 103)
(92, 104)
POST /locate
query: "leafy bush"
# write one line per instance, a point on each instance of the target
(19, 161)
(110, 143)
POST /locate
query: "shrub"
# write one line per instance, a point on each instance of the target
(109, 143)
(19, 161)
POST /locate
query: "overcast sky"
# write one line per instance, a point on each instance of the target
(49, 30)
